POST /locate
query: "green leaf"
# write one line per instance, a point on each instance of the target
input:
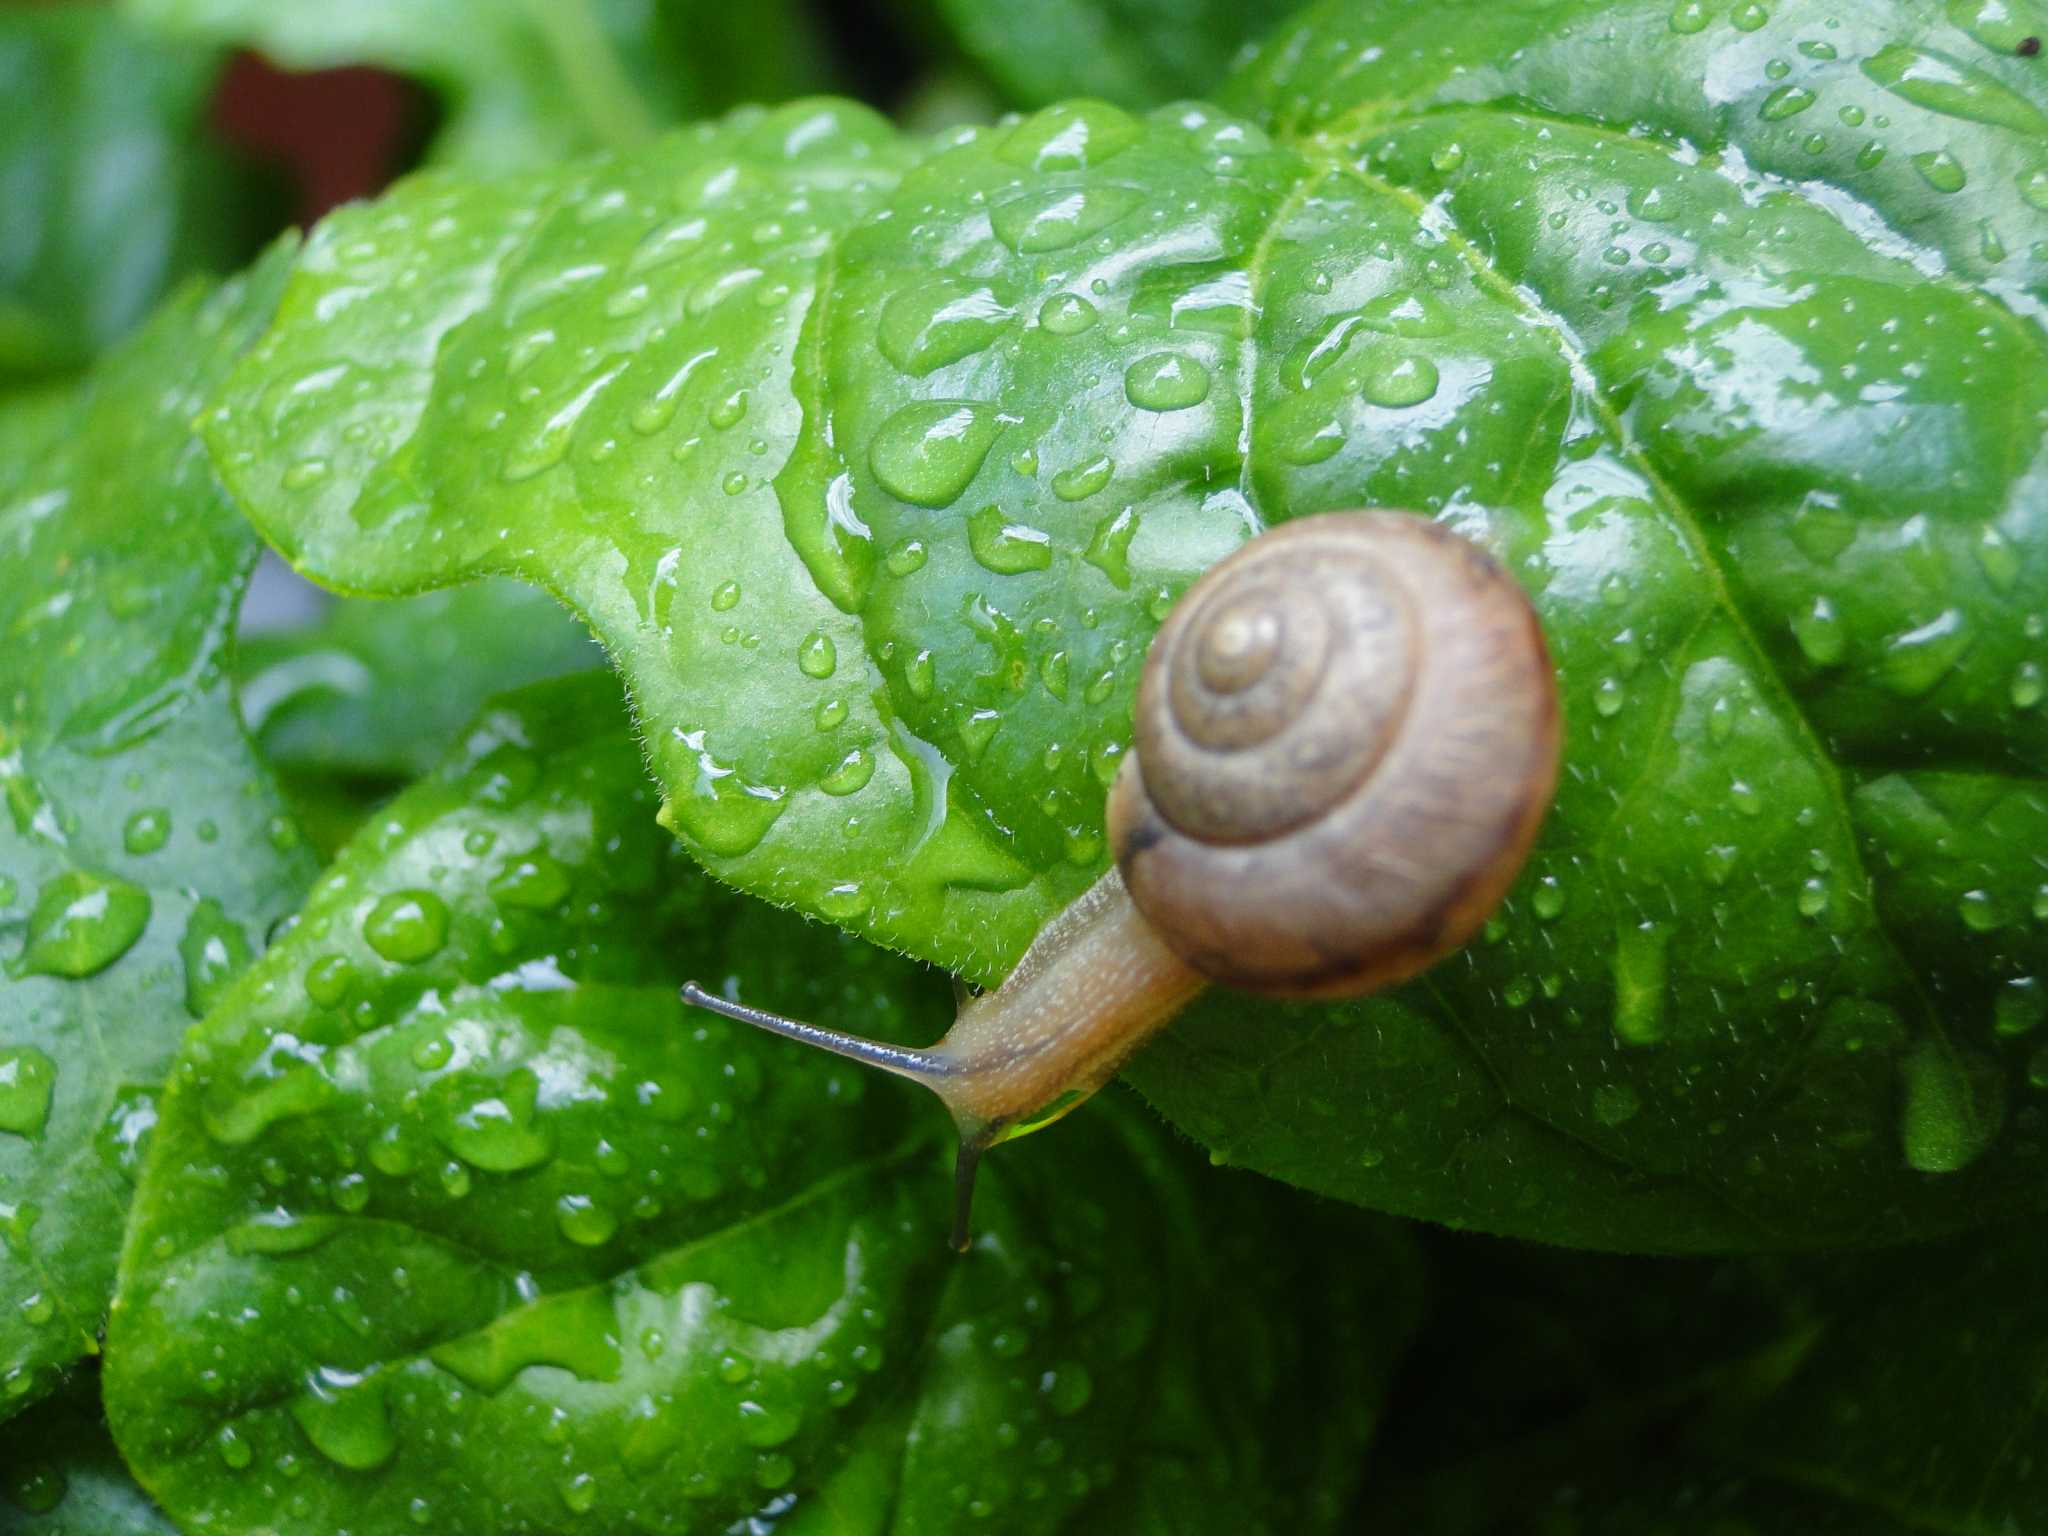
(144, 853)
(1699, 386)
(114, 188)
(1136, 53)
(525, 83)
(454, 1215)
(382, 690)
(1883, 1393)
(61, 1476)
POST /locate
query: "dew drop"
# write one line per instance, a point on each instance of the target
(1066, 314)
(146, 831)
(1083, 480)
(2029, 683)
(347, 1419)
(1941, 170)
(82, 923)
(214, 951)
(1616, 1104)
(851, 775)
(1786, 101)
(531, 882)
(816, 655)
(1007, 548)
(1640, 968)
(1396, 383)
(1054, 218)
(928, 452)
(1166, 381)
(584, 1222)
(406, 927)
(28, 1078)
(905, 558)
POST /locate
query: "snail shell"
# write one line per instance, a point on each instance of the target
(1346, 737)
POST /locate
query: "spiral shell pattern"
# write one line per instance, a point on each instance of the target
(1346, 737)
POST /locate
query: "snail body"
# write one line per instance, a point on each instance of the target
(1346, 736)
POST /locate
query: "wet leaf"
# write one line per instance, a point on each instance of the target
(455, 1216)
(1757, 413)
(144, 853)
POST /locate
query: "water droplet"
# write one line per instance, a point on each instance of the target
(1786, 101)
(1066, 314)
(764, 1427)
(1067, 1388)
(851, 775)
(1166, 381)
(1071, 136)
(932, 324)
(28, 1077)
(1004, 547)
(728, 412)
(406, 927)
(1813, 898)
(82, 923)
(1616, 1104)
(214, 951)
(1053, 672)
(1446, 158)
(1397, 383)
(1547, 900)
(1054, 218)
(1688, 18)
(347, 1419)
(584, 1222)
(1914, 662)
(816, 655)
(304, 473)
(494, 1130)
(146, 831)
(1750, 17)
(928, 452)
(2029, 683)
(235, 1453)
(1640, 968)
(2034, 188)
(531, 882)
(1814, 48)
(1819, 633)
(920, 675)
(977, 729)
(579, 1493)
(1941, 170)
(1109, 549)
(906, 558)
(1608, 697)
(1979, 911)
(551, 443)
(2021, 1006)
(1083, 480)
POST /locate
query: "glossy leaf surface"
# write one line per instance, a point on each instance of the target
(455, 1216)
(523, 84)
(114, 187)
(1748, 388)
(144, 853)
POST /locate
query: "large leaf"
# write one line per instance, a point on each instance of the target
(144, 854)
(524, 82)
(113, 188)
(1879, 1395)
(1136, 53)
(1747, 404)
(453, 1215)
(61, 1476)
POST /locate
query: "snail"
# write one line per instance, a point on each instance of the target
(1346, 735)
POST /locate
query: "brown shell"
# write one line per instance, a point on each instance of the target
(1346, 737)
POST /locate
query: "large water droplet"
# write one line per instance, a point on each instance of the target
(816, 655)
(1786, 101)
(584, 1221)
(1080, 481)
(1397, 382)
(494, 1128)
(1004, 547)
(928, 452)
(1053, 218)
(532, 882)
(1941, 170)
(1914, 662)
(1819, 633)
(929, 325)
(346, 1417)
(1640, 968)
(146, 831)
(28, 1077)
(406, 927)
(1071, 136)
(82, 923)
(1166, 381)
(214, 951)
(851, 774)
(576, 1330)
(1066, 314)
(1109, 549)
